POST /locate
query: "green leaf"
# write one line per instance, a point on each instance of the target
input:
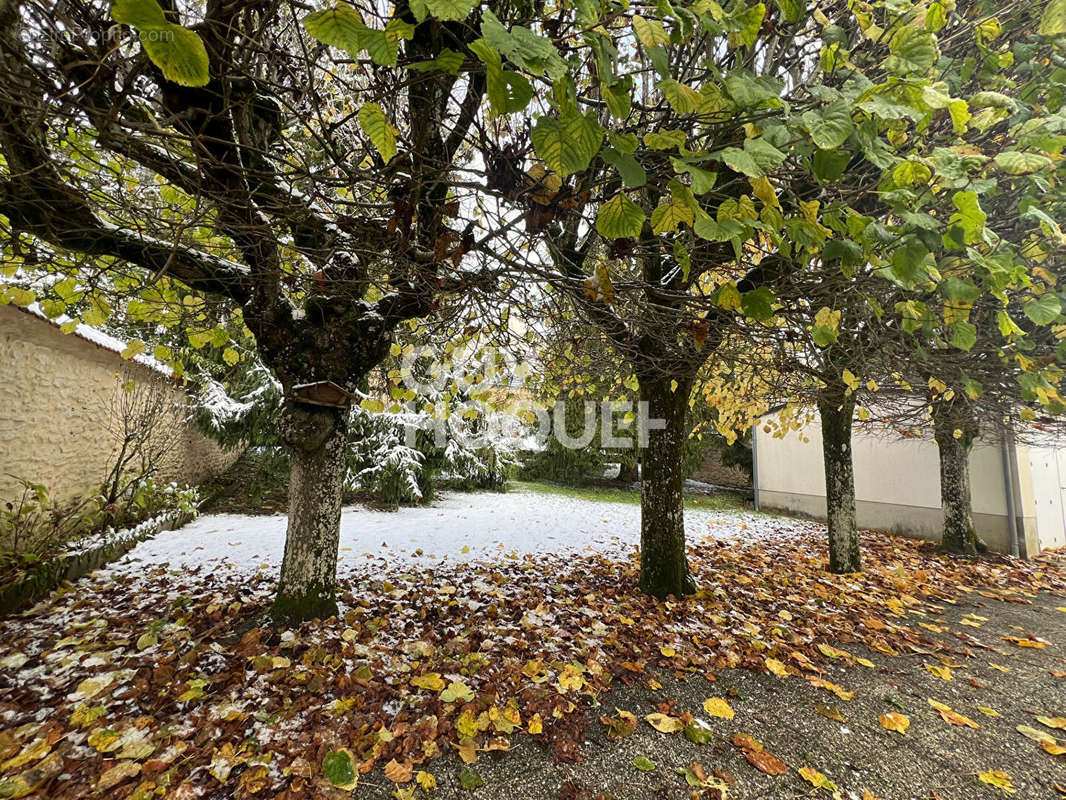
(522, 47)
(962, 290)
(682, 99)
(450, 10)
(1007, 326)
(341, 27)
(908, 261)
(382, 135)
(963, 335)
(448, 61)
(765, 154)
(913, 50)
(625, 143)
(643, 764)
(619, 99)
(792, 10)
(133, 348)
(1014, 162)
(960, 115)
(829, 165)
(469, 779)
(508, 91)
(633, 174)
(748, 90)
(740, 161)
(567, 144)
(650, 32)
(758, 303)
(620, 218)
(911, 173)
(1053, 21)
(831, 126)
(702, 180)
(1043, 310)
(970, 217)
(143, 14)
(178, 52)
(665, 140)
(231, 356)
(750, 19)
(339, 768)
(698, 732)
(53, 308)
(668, 217)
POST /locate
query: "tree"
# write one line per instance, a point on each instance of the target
(687, 159)
(310, 187)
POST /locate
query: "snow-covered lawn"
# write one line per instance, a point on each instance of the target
(458, 528)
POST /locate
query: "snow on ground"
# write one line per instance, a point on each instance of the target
(461, 527)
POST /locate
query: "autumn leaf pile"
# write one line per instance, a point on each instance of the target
(164, 683)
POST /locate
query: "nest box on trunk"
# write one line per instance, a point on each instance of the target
(322, 393)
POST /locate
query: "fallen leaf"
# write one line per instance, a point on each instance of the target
(469, 779)
(894, 721)
(766, 762)
(339, 768)
(817, 779)
(643, 764)
(664, 723)
(397, 772)
(1001, 780)
(718, 707)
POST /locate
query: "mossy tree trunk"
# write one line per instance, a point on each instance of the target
(317, 440)
(955, 430)
(836, 408)
(663, 560)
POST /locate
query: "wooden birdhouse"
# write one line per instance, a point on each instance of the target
(322, 393)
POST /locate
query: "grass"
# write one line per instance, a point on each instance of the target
(726, 501)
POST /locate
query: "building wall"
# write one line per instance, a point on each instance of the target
(897, 485)
(57, 392)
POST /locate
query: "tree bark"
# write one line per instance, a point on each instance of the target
(663, 560)
(951, 417)
(836, 409)
(318, 443)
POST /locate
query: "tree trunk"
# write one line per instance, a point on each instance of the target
(954, 431)
(663, 561)
(318, 444)
(836, 410)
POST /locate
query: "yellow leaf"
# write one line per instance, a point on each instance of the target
(988, 712)
(777, 667)
(1053, 722)
(1001, 780)
(944, 673)
(839, 691)
(718, 707)
(536, 725)
(893, 721)
(764, 190)
(1054, 747)
(664, 723)
(1036, 735)
(1033, 643)
(817, 779)
(667, 651)
(426, 780)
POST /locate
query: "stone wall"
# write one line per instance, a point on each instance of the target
(712, 470)
(59, 399)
